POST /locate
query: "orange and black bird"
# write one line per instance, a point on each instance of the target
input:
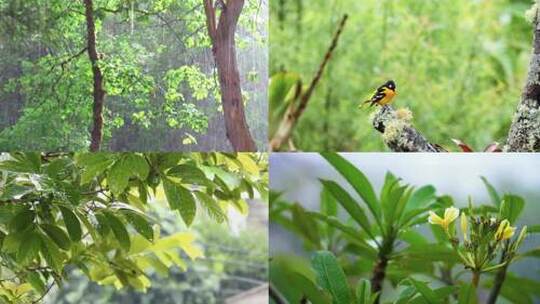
(383, 95)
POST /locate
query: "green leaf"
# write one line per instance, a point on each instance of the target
(467, 294)
(421, 198)
(331, 277)
(22, 163)
(72, 224)
(357, 179)
(363, 292)
(119, 230)
(328, 203)
(37, 282)
(347, 202)
(22, 220)
(118, 176)
(181, 199)
(137, 165)
(189, 174)
(495, 198)
(212, 207)
(58, 235)
(306, 225)
(29, 248)
(93, 164)
(52, 254)
(511, 207)
(426, 292)
(140, 223)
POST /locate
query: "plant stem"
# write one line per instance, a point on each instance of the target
(379, 271)
(475, 278)
(499, 279)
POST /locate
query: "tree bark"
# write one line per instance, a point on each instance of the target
(222, 35)
(524, 134)
(99, 92)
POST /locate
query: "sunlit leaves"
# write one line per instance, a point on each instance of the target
(180, 199)
(70, 207)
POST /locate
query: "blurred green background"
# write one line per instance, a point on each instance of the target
(234, 265)
(459, 66)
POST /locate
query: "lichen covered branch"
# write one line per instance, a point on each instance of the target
(398, 132)
(524, 134)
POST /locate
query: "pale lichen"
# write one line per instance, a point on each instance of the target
(530, 14)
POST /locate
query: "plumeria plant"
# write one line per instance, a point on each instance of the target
(378, 249)
(482, 240)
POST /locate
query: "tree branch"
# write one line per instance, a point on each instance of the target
(398, 133)
(210, 12)
(293, 113)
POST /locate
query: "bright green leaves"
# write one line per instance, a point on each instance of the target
(64, 208)
(128, 165)
(93, 164)
(181, 199)
(331, 277)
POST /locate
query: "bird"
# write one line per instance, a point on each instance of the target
(383, 95)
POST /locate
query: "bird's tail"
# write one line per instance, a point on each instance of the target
(361, 105)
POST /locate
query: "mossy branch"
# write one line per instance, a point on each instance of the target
(398, 132)
(296, 109)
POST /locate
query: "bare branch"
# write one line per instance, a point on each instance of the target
(293, 113)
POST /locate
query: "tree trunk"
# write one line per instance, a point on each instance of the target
(524, 134)
(224, 50)
(99, 92)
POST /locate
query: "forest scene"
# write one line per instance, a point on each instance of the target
(132, 228)
(466, 75)
(354, 231)
(133, 75)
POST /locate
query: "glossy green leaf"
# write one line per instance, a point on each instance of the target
(357, 179)
(331, 277)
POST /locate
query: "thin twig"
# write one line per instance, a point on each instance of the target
(290, 119)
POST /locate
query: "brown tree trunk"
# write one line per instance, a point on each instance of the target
(99, 92)
(224, 50)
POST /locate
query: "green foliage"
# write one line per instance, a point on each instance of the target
(89, 211)
(159, 75)
(459, 66)
(385, 233)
